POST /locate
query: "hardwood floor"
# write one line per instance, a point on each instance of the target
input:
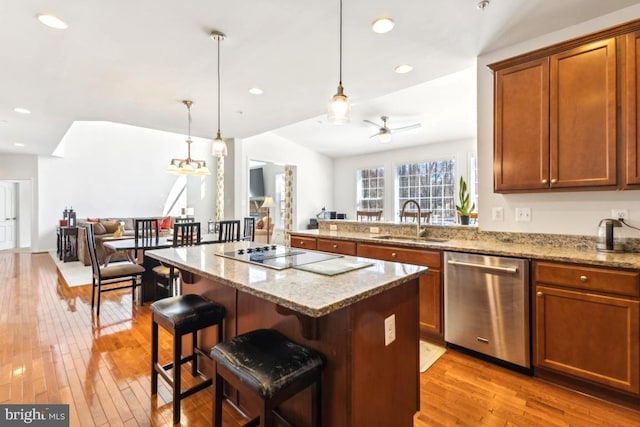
(54, 351)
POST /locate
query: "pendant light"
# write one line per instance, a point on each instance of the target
(188, 165)
(219, 146)
(339, 108)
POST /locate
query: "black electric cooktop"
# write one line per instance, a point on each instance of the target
(276, 256)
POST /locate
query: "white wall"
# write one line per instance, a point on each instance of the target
(345, 171)
(116, 170)
(24, 170)
(563, 213)
(313, 176)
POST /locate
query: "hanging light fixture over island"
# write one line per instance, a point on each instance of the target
(219, 146)
(188, 166)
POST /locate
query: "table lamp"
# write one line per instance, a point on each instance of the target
(268, 204)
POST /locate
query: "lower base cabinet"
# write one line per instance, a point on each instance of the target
(431, 295)
(587, 324)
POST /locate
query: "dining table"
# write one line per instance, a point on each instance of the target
(144, 244)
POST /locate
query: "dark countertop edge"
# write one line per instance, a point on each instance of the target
(627, 260)
(302, 309)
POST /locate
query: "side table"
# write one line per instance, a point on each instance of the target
(67, 243)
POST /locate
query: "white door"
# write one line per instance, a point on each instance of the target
(7, 215)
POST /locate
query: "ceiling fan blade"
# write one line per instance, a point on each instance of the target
(371, 123)
(374, 135)
(404, 128)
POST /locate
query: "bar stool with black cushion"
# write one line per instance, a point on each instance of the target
(182, 315)
(249, 230)
(113, 277)
(266, 366)
(184, 234)
(229, 231)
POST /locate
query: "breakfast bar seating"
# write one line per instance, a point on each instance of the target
(268, 367)
(182, 315)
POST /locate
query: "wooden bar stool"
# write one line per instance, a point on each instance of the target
(265, 365)
(181, 315)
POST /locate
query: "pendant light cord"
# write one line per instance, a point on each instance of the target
(340, 43)
(219, 84)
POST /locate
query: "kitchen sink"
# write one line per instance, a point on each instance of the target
(411, 239)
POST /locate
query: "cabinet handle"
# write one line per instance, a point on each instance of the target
(539, 293)
(393, 254)
(583, 278)
(544, 181)
(335, 246)
(301, 243)
(554, 180)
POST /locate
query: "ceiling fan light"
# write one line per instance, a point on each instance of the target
(384, 137)
(339, 108)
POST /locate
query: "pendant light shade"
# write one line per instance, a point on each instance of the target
(188, 166)
(339, 109)
(219, 148)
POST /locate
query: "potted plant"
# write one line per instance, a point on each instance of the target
(465, 207)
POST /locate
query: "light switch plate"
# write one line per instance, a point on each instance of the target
(497, 214)
(333, 227)
(374, 230)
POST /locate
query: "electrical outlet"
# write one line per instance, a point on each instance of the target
(497, 214)
(333, 227)
(620, 213)
(523, 214)
(374, 230)
(389, 329)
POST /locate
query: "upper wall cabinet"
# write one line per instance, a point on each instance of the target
(630, 108)
(555, 120)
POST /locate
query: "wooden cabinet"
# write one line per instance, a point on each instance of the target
(303, 242)
(431, 295)
(555, 121)
(587, 323)
(343, 247)
(631, 109)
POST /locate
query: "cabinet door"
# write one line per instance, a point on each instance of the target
(583, 116)
(589, 336)
(630, 108)
(431, 303)
(521, 115)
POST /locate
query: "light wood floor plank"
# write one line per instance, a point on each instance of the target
(55, 350)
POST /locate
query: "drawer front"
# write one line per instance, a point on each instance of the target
(607, 280)
(303, 242)
(337, 246)
(397, 254)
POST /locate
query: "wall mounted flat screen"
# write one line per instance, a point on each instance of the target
(256, 183)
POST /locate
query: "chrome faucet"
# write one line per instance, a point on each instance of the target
(404, 205)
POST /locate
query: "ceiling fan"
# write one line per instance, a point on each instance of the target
(384, 132)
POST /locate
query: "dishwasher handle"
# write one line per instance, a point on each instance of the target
(483, 266)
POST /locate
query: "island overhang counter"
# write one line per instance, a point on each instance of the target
(366, 381)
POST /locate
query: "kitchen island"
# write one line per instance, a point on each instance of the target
(364, 382)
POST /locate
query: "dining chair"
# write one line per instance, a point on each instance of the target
(181, 220)
(369, 215)
(409, 215)
(121, 275)
(229, 230)
(184, 234)
(249, 231)
(145, 230)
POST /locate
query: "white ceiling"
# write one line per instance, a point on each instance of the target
(134, 61)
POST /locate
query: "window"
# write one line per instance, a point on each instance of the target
(432, 185)
(370, 188)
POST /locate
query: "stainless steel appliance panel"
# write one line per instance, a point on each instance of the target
(487, 305)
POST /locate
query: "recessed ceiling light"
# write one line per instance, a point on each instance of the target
(403, 68)
(256, 91)
(382, 25)
(21, 110)
(18, 144)
(53, 22)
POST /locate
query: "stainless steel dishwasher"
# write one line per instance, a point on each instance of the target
(487, 305)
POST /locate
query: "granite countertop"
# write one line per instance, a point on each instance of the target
(311, 294)
(541, 247)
